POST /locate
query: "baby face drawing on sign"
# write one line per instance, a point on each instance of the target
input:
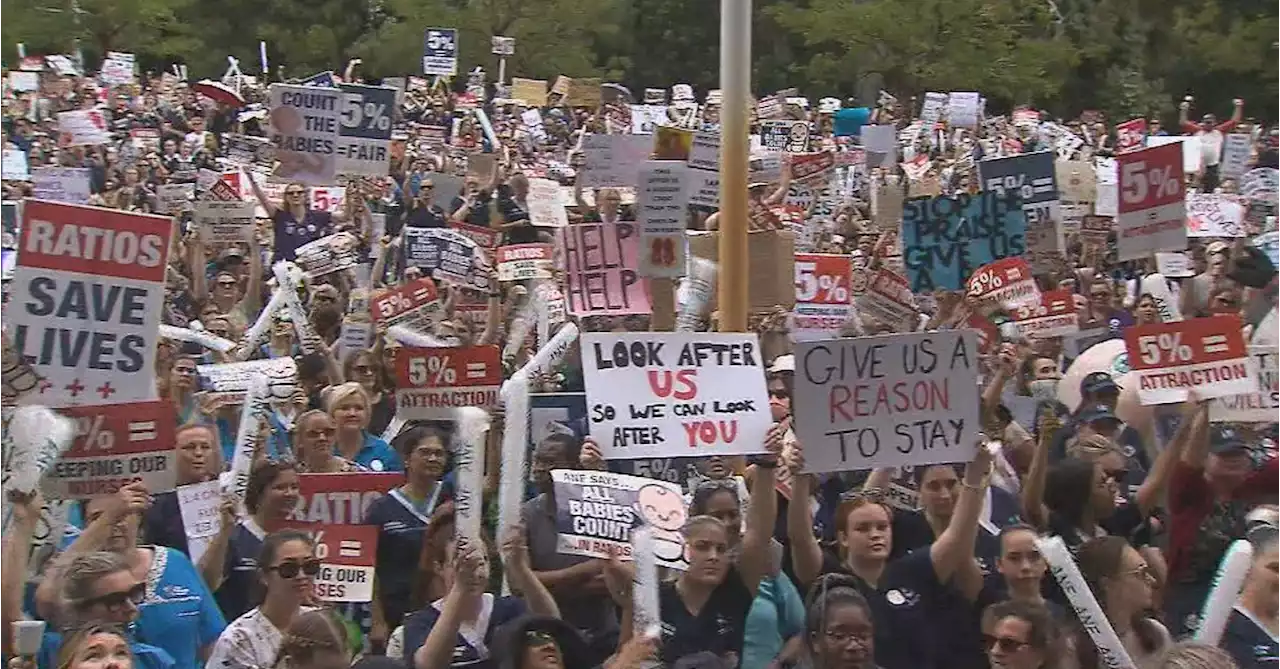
(663, 510)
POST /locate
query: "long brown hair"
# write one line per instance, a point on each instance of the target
(1100, 559)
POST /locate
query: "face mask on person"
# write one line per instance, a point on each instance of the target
(1043, 389)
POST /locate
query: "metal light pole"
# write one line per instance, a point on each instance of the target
(735, 87)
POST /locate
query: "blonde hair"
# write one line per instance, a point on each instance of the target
(1191, 655)
(335, 395)
(1092, 448)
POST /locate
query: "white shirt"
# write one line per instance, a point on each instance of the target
(249, 642)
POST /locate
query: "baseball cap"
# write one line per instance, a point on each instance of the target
(783, 363)
(1223, 439)
(1098, 382)
(1093, 413)
(1252, 268)
(1216, 247)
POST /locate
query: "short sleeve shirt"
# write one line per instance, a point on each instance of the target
(290, 233)
(179, 613)
(719, 627)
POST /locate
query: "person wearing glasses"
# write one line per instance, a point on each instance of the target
(423, 211)
(293, 222)
(839, 624)
(1123, 584)
(287, 567)
(237, 301)
(314, 435)
(177, 613)
(1020, 635)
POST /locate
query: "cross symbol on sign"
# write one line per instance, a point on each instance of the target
(45, 385)
(106, 390)
(75, 388)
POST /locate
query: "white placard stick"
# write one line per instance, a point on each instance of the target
(1088, 612)
(1227, 584)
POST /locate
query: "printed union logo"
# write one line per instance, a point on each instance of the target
(1120, 365)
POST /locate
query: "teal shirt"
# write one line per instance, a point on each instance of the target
(776, 615)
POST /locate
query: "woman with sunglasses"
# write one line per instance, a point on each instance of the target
(313, 441)
(929, 592)
(1123, 585)
(287, 567)
(349, 406)
(293, 222)
(365, 368)
(270, 497)
(1020, 635)
(1253, 630)
(239, 304)
(179, 613)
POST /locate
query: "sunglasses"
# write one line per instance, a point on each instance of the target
(226, 284)
(116, 600)
(1117, 475)
(1003, 644)
(538, 638)
(291, 569)
(293, 192)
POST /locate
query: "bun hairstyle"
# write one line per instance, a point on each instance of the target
(311, 634)
(830, 590)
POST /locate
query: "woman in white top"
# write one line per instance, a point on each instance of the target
(287, 567)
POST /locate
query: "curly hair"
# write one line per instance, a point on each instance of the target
(310, 634)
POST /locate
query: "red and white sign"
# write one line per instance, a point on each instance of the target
(809, 165)
(116, 445)
(414, 305)
(1054, 315)
(483, 237)
(341, 499)
(1152, 207)
(432, 382)
(522, 262)
(1130, 135)
(328, 198)
(86, 301)
(85, 127)
(822, 295)
(888, 299)
(1007, 282)
(1259, 406)
(347, 554)
(1207, 354)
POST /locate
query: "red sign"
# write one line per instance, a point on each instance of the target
(1208, 354)
(1152, 206)
(1130, 135)
(888, 299)
(91, 240)
(1054, 315)
(432, 382)
(411, 304)
(1007, 282)
(115, 445)
(347, 555)
(808, 165)
(822, 292)
(340, 499)
(483, 237)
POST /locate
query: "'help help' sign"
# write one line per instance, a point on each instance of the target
(87, 296)
(659, 394)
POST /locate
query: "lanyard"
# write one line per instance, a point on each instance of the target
(431, 503)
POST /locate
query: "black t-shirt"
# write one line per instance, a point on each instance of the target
(431, 216)
(1249, 643)
(718, 627)
(478, 215)
(513, 211)
(162, 522)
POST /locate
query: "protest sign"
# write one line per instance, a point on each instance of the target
(200, 504)
(790, 136)
(888, 299)
(645, 119)
(522, 262)
(247, 149)
(532, 92)
(1130, 135)
(347, 554)
(557, 413)
(1005, 283)
(481, 237)
(1262, 405)
(600, 269)
(1269, 242)
(86, 301)
(414, 305)
(85, 127)
(1236, 148)
(1174, 265)
(15, 166)
(304, 128)
(221, 222)
(660, 394)
(963, 109)
(822, 295)
(597, 511)
(231, 380)
(1054, 315)
(364, 136)
(944, 239)
(908, 399)
(24, 82)
(546, 209)
(174, 198)
(613, 160)
(117, 69)
(816, 166)
(342, 498)
(61, 184)
(1214, 215)
(443, 253)
(660, 210)
(1260, 184)
(440, 52)
(583, 93)
(432, 382)
(1190, 145)
(1152, 208)
(116, 445)
(1207, 354)
(1077, 181)
(329, 254)
(1034, 177)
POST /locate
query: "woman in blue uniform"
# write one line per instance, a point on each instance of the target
(929, 592)
(402, 516)
(1251, 634)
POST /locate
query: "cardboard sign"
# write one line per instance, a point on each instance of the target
(1152, 209)
(1259, 406)
(660, 210)
(583, 93)
(1077, 181)
(200, 505)
(675, 394)
(888, 299)
(523, 262)
(944, 239)
(613, 160)
(442, 253)
(364, 135)
(432, 382)
(1053, 316)
(85, 127)
(440, 52)
(86, 301)
(1005, 283)
(908, 399)
(546, 209)
(61, 184)
(1131, 135)
(231, 380)
(532, 92)
(304, 127)
(224, 222)
(116, 445)
(1236, 150)
(822, 295)
(414, 305)
(596, 512)
(1214, 215)
(600, 269)
(1207, 354)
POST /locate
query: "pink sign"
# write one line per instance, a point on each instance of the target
(600, 265)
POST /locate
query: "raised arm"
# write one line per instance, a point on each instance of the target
(806, 554)
(1195, 416)
(515, 554)
(267, 205)
(757, 561)
(1033, 508)
(952, 553)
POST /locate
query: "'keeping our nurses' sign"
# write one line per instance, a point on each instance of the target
(86, 301)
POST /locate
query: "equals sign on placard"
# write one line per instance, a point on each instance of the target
(1215, 344)
(142, 430)
(477, 370)
(420, 294)
(349, 548)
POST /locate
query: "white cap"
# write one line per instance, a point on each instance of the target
(783, 363)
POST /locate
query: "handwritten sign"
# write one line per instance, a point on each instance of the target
(85, 127)
(660, 394)
(1207, 354)
(944, 239)
(597, 511)
(600, 268)
(908, 399)
(61, 184)
(199, 504)
(1259, 406)
(432, 382)
(1214, 215)
(546, 209)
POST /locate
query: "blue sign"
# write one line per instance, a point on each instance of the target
(367, 111)
(321, 79)
(1032, 176)
(440, 52)
(945, 239)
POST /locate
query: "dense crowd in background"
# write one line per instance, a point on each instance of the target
(914, 568)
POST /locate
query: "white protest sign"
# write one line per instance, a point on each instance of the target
(232, 379)
(201, 518)
(1214, 215)
(84, 127)
(1174, 264)
(546, 209)
(61, 184)
(963, 109)
(304, 126)
(15, 166)
(86, 302)
(1191, 153)
(174, 198)
(675, 394)
(909, 399)
(1235, 155)
(645, 118)
(1259, 406)
(597, 511)
(660, 211)
(224, 221)
(613, 160)
(117, 68)
(23, 82)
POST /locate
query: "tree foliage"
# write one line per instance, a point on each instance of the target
(1124, 57)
